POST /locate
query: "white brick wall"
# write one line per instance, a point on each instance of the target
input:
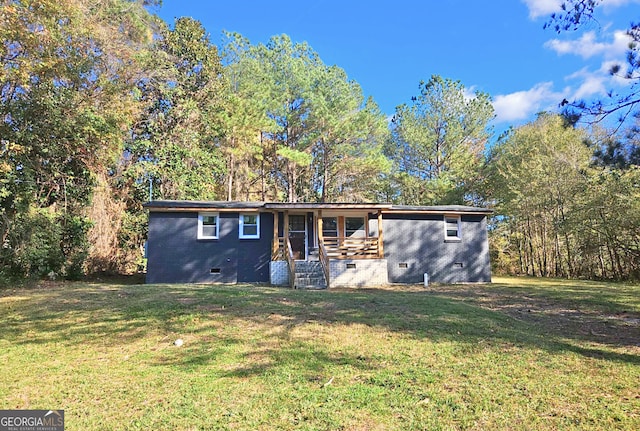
(358, 272)
(279, 270)
(344, 272)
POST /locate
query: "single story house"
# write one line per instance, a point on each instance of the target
(315, 244)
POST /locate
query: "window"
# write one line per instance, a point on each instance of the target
(329, 227)
(297, 223)
(354, 227)
(208, 226)
(249, 226)
(452, 228)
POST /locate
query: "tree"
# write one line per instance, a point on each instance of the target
(347, 134)
(246, 123)
(608, 220)
(172, 151)
(438, 141)
(574, 14)
(613, 150)
(66, 86)
(559, 211)
(175, 140)
(537, 176)
(287, 71)
(304, 126)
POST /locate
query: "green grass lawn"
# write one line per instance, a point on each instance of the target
(520, 354)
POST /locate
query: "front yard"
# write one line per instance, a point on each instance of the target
(517, 354)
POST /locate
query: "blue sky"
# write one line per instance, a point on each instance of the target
(496, 46)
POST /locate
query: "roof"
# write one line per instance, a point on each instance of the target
(326, 205)
(169, 205)
(448, 209)
(202, 205)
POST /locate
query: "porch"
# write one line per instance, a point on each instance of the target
(340, 247)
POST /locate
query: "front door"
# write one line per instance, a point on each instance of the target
(298, 236)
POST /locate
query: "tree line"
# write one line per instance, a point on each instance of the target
(104, 106)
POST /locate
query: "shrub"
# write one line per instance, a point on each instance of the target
(43, 244)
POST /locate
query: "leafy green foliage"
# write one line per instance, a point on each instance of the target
(438, 142)
(174, 140)
(172, 151)
(348, 135)
(105, 107)
(34, 246)
(248, 155)
(305, 121)
(558, 214)
(42, 243)
(65, 100)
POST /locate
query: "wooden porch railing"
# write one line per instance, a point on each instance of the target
(278, 252)
(351, 248)
(336, 248)
(292, 264)
(324, 260)
(328, 248)
(282, 251)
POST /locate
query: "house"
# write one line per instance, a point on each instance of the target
(315, 244)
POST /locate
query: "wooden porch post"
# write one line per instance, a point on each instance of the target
(320, 236)
(380, 236)
(286, 225)
(289, 257)
(275, 246)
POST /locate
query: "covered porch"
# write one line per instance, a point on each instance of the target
(339, 240)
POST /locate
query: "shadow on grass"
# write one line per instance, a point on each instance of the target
(95, 313)
(602, 313)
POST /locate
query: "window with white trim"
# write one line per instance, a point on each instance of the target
(249, 226)
(208, 225)
(452, 228)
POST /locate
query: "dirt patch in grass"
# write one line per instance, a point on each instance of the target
(591, 317)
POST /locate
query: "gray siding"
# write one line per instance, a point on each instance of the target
(414, 245)
(175, 255)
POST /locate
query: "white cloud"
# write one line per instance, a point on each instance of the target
(598, 82)
(591, 84)
(583, 85)
(587, 46)
(469, 93)
(521, 105)
(620, 43)
(539, 8)
(587, 83)
(619, 78)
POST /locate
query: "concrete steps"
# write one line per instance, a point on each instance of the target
(309, 275)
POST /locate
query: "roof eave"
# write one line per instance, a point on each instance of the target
(194, 206)
(226, 206)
